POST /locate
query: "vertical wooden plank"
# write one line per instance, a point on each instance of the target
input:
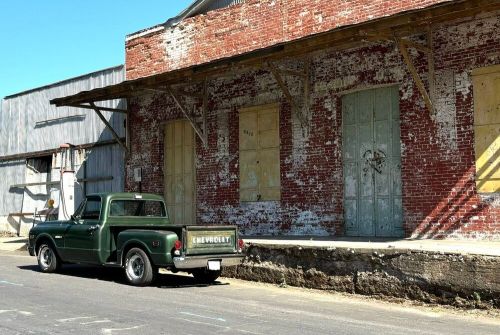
(372, 194)
(269, 155)
(180, 172)
(350, 164)
(248, 136)
(486, 86)
(394, 164)
(259, 154)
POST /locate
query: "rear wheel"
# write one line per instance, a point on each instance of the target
(48, 261)
(138, 267)
(206, 276)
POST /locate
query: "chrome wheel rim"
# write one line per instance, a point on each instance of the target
(46, 257)
(135, 267)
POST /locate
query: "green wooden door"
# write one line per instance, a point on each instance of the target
(372, 163)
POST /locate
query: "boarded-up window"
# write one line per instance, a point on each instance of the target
(486, 83)
(259, 154)
(180, 172)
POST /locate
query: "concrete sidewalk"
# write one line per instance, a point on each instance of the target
(462, 247)
(13, 243)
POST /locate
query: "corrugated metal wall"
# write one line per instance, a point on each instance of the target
(29, 123)
(102, 162)
(12, 172)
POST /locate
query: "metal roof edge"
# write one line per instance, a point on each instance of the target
(170, 22)
(57, 83)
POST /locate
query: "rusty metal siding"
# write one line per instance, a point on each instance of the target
(29, 123)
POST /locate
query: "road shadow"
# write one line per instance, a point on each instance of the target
(184, 280)
(116, 275)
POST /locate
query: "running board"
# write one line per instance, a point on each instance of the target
(112, 265)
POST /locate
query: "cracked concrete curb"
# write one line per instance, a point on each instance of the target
(468, 281)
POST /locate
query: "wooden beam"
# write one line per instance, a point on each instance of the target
(407, 22)
(293, 73)
(35, 154)
(56, 182)
(113, 132)
(414, 73)
(186, 114)
(307, 84)
(205, 110)
(181, 90)
(430, 61)
(286, 92)
(107, 109)
(281, 84)
(417, 46)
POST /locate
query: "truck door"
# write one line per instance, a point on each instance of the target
(81, 240)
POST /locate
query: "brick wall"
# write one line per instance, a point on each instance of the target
(252, 25)
(439, 195)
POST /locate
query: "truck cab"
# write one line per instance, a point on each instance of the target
(132, 231)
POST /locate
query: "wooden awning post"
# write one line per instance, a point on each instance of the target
(108, 125)
(277, 74)
(403, 48)
(201, 134)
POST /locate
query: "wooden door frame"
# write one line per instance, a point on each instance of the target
(342, 95)
(195, 201)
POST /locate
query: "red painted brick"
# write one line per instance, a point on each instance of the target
(439, 194)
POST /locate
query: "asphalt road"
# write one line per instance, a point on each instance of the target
(86, 300)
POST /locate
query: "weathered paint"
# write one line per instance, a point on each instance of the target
(259, 154)
(250, 26)
(28, 123)
(180, 172)
(487, 128)
(372, 163)
(439, 196)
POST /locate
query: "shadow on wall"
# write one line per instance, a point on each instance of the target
(105, 161)
(462, 209)
(101, 161)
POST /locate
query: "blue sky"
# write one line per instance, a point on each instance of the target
(44, 41)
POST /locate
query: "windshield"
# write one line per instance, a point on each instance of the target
(148, 208)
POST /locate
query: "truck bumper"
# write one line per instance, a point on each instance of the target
(192, 262)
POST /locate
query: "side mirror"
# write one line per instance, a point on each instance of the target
(74, 217)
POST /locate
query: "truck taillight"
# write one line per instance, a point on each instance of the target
(241, 245)
(177, 248)
(178, 245)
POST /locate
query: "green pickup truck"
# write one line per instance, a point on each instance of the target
(132, 231)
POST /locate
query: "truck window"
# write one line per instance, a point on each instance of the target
(91, 209)
(143, 208)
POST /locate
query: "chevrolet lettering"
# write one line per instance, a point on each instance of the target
(132, 231)
(211, 239)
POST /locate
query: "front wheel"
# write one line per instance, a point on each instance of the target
(206, 276)
(138, 267)
(48, 260)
